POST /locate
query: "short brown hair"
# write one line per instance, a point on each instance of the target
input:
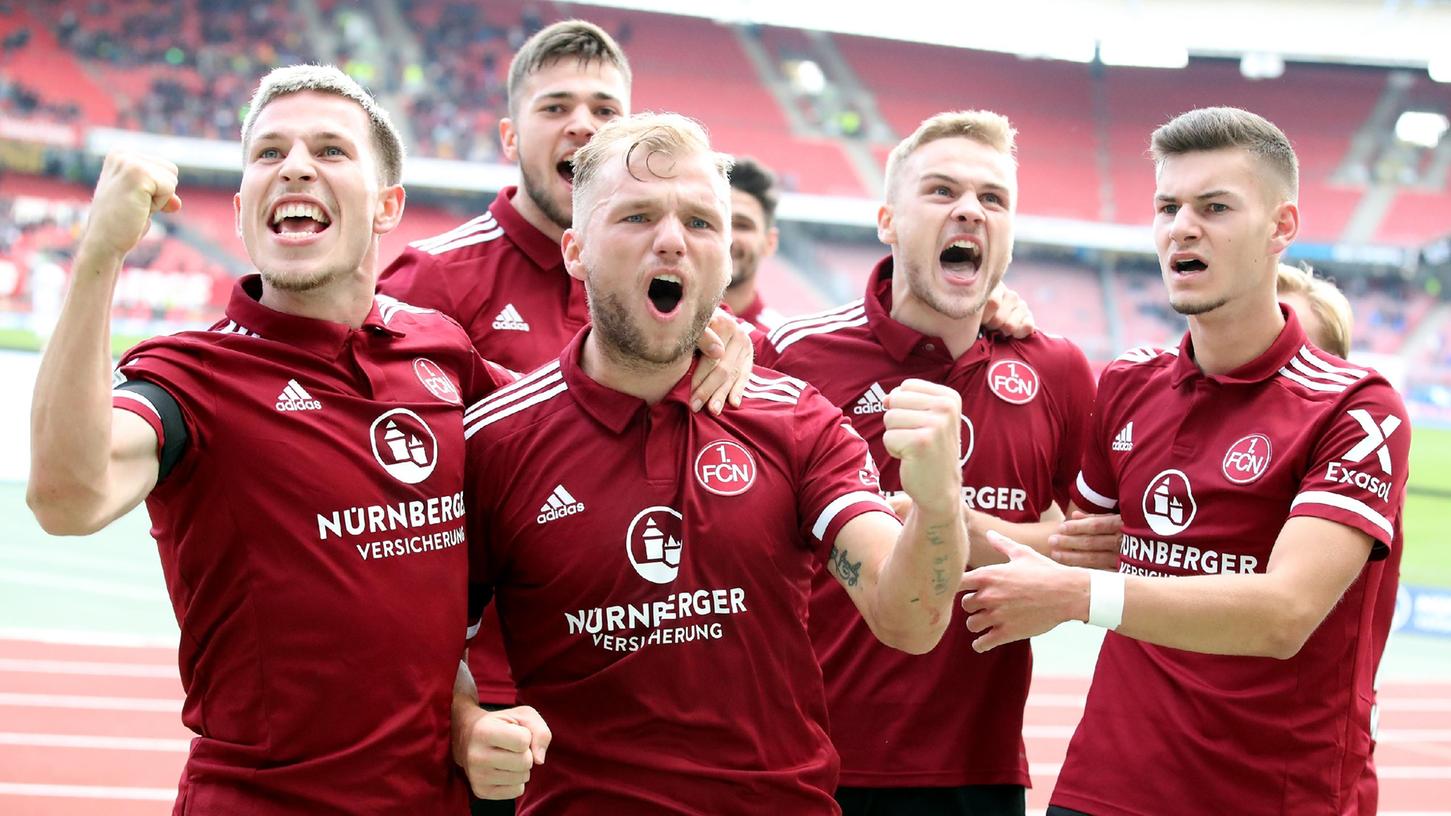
(293, 79)
(991, 129)
(1326, 301)
(1220, 128)
(650, 134)
(566, 39)
(752, 178)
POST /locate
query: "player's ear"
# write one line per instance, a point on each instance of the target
(1286, 226)
(573, 254)
(886, 232)
(509, 139)
(389, 210)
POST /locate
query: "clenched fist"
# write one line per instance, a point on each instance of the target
(132, 188)
(923, 429)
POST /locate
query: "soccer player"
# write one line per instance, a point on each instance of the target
(302, 463)
(754, 237)
(652, 565)
(913, 738)
(1261, 482)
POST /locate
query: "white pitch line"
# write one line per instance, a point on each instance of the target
(71, 583)
(96, 703)
(1075, 701)
(1389, 735)
(96, 742)
(167, 670)
(87, 792)
(73, 637)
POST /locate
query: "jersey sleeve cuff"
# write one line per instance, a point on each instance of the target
(139, 405)
(845, 508)
(1089, 496)
(1344, 510)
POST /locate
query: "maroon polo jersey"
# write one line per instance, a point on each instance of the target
(652, 568)
(311, 538)
(761, 317)
(952, 716)
(1205, 470)
(504, 281)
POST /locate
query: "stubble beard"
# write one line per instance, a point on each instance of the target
(626, 342)
(1189, 308)
(538, 192)
(919, 283)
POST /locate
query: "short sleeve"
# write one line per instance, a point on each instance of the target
(1358, 466)
(1095, 489)
(175, 373)
(840, 481)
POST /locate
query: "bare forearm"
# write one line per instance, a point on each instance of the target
(918, 580)
(1235, 614)
(70, 419)
(1032, 533)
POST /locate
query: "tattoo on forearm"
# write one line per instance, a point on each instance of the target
(939, 574)
(934, 536)
(849, 573)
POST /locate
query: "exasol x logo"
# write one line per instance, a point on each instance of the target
(1169, 506)
(404, 445)
(1375, 438)
(655, 543)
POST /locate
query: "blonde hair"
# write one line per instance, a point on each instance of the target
(293, 79)
(1327, 302)
(1206, 129)
(648, 136)
(991, 129)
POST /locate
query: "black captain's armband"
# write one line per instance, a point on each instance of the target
(173, 426)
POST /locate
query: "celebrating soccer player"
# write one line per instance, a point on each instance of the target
(652, 565)
(1261, 482)
(302, 462)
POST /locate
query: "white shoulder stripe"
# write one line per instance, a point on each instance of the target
(769, 397)
(132, 396)
(1094, 496)
(1313, 385)
(1326, 366)
(233, 327)
(470, 240)
(478, 224)
(823, 521)
(1356, 506)
(783, 383)
(389, 306)
(789, 339)
(512, 391)
(1143, 354)
(488, 419)
(1313, 373)
(817, 318)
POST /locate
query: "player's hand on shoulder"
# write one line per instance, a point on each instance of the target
(923, 429)
(1007, 313)
(727, 357)
(1088, 540)
(131, 189)
(500, 749)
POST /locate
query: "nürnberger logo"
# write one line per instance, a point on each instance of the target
(404, 445)
(655, 543)
(438, 384)
(725, 468)
(1013, 381)
(1169, 506)
(1247, 459)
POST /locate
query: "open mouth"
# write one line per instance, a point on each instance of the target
(299, 218)
(665, 293)
(963, 257)
(565, 169)
(1189, 265)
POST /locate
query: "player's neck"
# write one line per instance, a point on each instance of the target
(957, 333)
(525, 206)
(621, 372)
(1235, 333)
(740, 297)
(346, 300)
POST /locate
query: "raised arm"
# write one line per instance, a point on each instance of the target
(89, 462)
(903, 578)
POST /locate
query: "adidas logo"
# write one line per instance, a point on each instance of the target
(559, 505)
(295, 398)
(1125, 440)
(874, 401)
(509, 319)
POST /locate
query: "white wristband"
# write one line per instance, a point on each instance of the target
(1105, 599)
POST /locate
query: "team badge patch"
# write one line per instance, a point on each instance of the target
(1169, 506)
(1013, 381)
(725, 468)
(404, 445)
(438, 384)
(655, 543)
(1247, 460)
